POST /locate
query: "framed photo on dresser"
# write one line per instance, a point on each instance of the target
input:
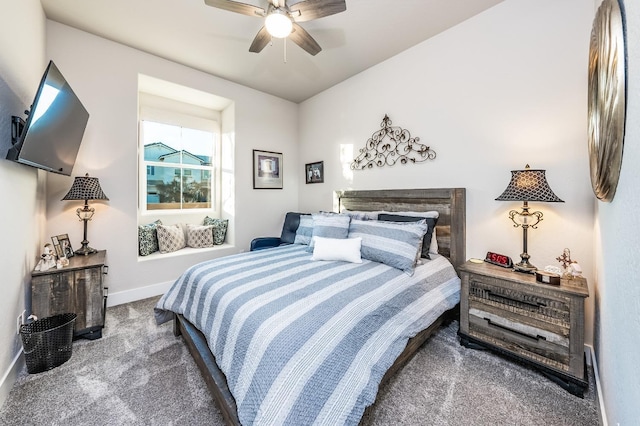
(62, 244)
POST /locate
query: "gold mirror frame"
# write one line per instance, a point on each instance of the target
(607, 98)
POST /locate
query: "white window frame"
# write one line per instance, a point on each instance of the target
(168, 111)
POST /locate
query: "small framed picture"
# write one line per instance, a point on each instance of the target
(267, 170)
(314, 172)
(62, 245)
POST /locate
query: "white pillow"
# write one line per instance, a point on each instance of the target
(344, 249)
(433, 247)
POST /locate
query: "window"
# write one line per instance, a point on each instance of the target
(180, 163)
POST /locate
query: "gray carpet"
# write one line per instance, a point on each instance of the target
(139, 373)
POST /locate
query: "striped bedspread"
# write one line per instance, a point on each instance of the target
(307, 342)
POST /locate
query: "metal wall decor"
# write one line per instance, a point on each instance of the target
(389, 145)
(607, 98)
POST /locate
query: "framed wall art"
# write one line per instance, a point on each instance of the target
(314, 172)
(267, 170)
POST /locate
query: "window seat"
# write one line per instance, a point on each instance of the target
(216, 251)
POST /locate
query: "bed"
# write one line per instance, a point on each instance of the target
(268, 387)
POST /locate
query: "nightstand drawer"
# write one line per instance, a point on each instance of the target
(514, 333)
(493, 292)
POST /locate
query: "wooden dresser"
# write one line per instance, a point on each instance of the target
(78, 288)
(539, 324)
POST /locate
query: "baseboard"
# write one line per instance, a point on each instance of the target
(7, 382)
(127, 296)
(118, 298)
(591, 356)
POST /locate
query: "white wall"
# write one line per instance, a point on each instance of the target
(104, 75)
(503, 89)
(617, 327)
(22, 63)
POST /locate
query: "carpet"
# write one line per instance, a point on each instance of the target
(138, 373)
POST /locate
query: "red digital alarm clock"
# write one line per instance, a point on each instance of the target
(499, 259)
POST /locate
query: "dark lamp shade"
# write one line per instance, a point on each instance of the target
(528, 185)
(85, 188)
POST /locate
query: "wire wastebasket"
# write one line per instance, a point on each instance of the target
(47, 342)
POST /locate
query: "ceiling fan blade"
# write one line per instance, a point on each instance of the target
(260, 41)
(306, 10)
(303, 39)
(236, 6)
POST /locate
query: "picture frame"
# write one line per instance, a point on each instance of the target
(314, 172)
(267, 169)
(62, 245)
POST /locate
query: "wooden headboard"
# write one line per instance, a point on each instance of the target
(449, 202)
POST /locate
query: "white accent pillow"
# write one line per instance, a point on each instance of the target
(433, 247)
(343, 249)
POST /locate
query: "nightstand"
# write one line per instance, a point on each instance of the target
(77, 288)
(538, 324)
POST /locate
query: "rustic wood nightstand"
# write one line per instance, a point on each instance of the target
(77, 288)
(541, 325)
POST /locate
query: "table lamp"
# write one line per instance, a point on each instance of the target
(527, 185)
(85, 188)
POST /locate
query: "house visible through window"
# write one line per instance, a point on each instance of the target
(180, 166)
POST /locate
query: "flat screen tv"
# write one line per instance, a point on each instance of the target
(51, 136)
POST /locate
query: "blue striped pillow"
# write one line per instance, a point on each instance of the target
(305, 230)
(391, 243)
(330, 225)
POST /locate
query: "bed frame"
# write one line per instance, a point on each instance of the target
(450, 233)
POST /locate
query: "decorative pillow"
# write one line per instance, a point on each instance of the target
(433, 248)
(199, 236)
(170, 238)
(433, 214)
(305, 230)
(343, 249)
(330, 225)
(148, 238)
(394, 244)
(430, 214)
(426, 241)
(219, 229)
(361, 215)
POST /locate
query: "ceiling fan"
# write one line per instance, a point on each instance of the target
(281, 19)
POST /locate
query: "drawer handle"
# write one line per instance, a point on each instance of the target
(528, 336)
(499, 296)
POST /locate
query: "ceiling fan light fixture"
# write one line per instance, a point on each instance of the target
(278, 24)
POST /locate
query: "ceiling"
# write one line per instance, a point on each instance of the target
(217, 41)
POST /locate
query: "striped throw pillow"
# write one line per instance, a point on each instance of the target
(395, 244)
(330, 225)
(305, 230)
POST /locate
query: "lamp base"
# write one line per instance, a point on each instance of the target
(525, 267)
(85, 250)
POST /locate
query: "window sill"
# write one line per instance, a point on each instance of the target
(220, 250)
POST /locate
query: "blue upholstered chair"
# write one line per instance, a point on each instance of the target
(288, 235)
